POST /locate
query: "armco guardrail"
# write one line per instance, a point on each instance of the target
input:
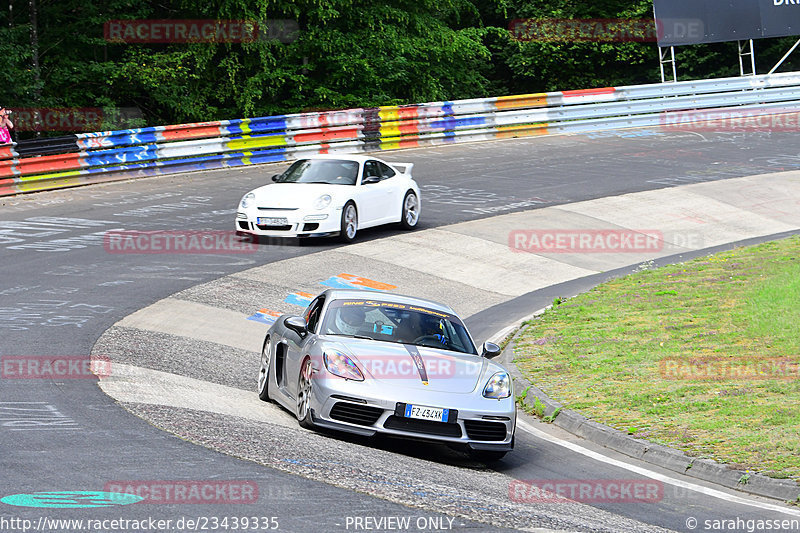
(110, 155)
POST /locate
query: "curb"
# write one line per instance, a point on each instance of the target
(643, 450)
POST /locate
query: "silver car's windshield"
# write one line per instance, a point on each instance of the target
(401, 323)
(331, 171)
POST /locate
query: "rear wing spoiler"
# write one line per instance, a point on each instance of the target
(406, 167)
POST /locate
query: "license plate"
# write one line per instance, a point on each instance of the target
(272, 221)
(423, 412)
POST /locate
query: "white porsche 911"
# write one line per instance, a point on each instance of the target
(325, 195)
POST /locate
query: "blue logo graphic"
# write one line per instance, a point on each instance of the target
(71, 499)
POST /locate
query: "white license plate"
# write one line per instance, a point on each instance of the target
(423, 412)
(272, 221)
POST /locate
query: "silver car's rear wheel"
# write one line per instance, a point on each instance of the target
(263, 373)
(304, 391)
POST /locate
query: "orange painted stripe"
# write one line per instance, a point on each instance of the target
(590, 92)
(508, 132)
(521, 101)
(365, 282)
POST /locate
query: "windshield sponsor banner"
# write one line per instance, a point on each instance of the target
(54, 367)
(178, 242)
(729, 368)
(586, 491)
(188, 492)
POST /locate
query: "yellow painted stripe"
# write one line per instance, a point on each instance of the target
(39, 177)
(389, 113)
(44, 185)
(245, 126)
(248, 143)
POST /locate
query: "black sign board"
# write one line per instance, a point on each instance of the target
(682, 22)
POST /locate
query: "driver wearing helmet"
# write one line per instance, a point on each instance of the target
(350, 319)
(433, 327)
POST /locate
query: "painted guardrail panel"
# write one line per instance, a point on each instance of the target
(109, 155)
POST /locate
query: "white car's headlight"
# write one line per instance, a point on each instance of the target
(498, 387)
(322, 202)
(247, 200)
(341, 365)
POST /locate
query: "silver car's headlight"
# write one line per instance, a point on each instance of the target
(322, 202)
(247, 200)
(498, 387)
(341, 365)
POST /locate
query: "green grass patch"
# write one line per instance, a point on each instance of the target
(727, 322)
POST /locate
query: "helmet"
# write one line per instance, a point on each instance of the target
(350, 319)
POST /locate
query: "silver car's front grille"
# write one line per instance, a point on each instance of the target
(480, 430)
(424, 427)
(363, 415)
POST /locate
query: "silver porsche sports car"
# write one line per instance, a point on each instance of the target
(372, 362)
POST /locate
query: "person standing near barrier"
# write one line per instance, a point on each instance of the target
(5, 126)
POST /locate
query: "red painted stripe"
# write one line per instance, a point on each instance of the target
(5, 152)
(7, 168)
(49, 163)
(590, 92)
(327, 134)
(188, 131)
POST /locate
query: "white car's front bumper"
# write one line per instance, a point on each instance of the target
(288, 223)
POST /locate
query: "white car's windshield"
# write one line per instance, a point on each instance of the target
(401, 323)
(331, 171)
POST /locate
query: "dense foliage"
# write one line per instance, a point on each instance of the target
(347, 53)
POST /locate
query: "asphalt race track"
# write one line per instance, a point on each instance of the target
(61, 291)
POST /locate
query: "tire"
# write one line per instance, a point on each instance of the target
(410, 211)
(304, 392)
(263, 372)
(349, 225)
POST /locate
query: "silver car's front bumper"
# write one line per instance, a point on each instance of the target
(367, 409)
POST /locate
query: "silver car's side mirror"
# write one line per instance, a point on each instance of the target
(296, 324)
(370, 179)
(490, 350)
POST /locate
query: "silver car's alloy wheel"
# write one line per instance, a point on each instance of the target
(410, 210)
(263, 373)
(304, 395)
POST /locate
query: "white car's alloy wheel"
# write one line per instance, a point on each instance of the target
(349, 223)
(410, 211)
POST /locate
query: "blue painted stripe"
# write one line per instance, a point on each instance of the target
(297, 299)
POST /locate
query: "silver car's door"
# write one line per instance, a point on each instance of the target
(297, 346)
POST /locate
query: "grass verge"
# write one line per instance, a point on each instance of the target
(702, 356)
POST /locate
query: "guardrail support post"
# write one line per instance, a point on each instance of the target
(664, 60)
(743, 52)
